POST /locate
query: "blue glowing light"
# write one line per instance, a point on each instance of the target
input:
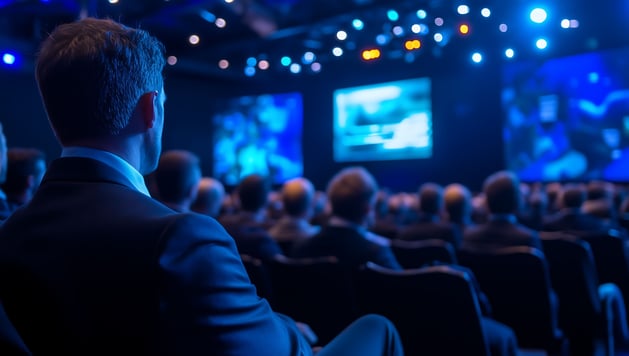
(538, 15)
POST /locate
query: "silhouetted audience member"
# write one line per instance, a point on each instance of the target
(352, 194)
(571, 217)
(297, 195)
(177, 179)
(25, 170)
(502, 194)
(600, 201)
(5, 209)
(93, 265)
(429, 224)
(458, 205)
(249, 226)
(386, 220)
(321, 209)
(210, 196)
(536, 211)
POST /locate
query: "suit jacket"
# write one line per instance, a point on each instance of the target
(426, 229)
(499, 233)
(347, 244)
(91, 266)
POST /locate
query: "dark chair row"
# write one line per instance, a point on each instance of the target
(431, 306)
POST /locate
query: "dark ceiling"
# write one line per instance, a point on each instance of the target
(270, 29)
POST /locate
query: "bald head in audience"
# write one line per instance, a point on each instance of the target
(297, 197)
(177, 179)
(458, 204)
(210, 196)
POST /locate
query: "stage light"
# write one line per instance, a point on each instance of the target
(423, 29)
(421, 14)
(337, 51)
(464, 29)
(397, 31)
(439, 21)
(308, 58)
(8, 59)
(250, 71)
(316, 67)
(172, 60)
(485, 12)
(541, 43)
(358, 24)
(113, 1)
(223, 64)
(509, 53)
(263, 64)
(207, 16)
(538, 15)
(295, 68)
(392, 15)
(286, 61)
(371, 54)
(416, 28)
(438, 37)
(252, 61)
(220, 23)
(463, 9)
(382, 39)
(229, 1)
(565, 23)
(574, 23)
(411, 45)
(503, 27)
(194, 39)
(477, 57)
(341, 35)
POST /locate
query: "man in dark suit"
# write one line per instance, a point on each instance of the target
(352, 194)
(571, 217)
(249, 226)
(502, 192)
(428, 224)
(177, 179)
(93, 265)
(297, 199)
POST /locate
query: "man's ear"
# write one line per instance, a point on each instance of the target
(146, 106)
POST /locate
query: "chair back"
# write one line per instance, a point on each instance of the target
(259, 276)
(10, 342)
(434, 308)
(317, 291)
(415, 254)
(517, 283)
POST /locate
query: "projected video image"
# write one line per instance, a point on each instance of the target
(259, 135)
(388, 121)
(568, 118)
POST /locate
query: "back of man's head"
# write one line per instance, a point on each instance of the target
(177, 177)
(430, 198)
(458, 202)
(573, 196)
(91, 74)
(597, 190)
(297, 197)
(253, 193)
(502, 192)
(25, 169)
(352, 194)
(210, 195)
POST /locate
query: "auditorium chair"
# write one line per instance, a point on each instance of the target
(415, 254)
(435, 308)
(587, 311)
(516, 281)
(316, 291)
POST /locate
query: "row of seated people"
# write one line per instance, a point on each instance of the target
(345, 234)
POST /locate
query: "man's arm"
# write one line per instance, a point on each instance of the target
(208, 305)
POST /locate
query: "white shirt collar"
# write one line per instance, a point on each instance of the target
(116, 162)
